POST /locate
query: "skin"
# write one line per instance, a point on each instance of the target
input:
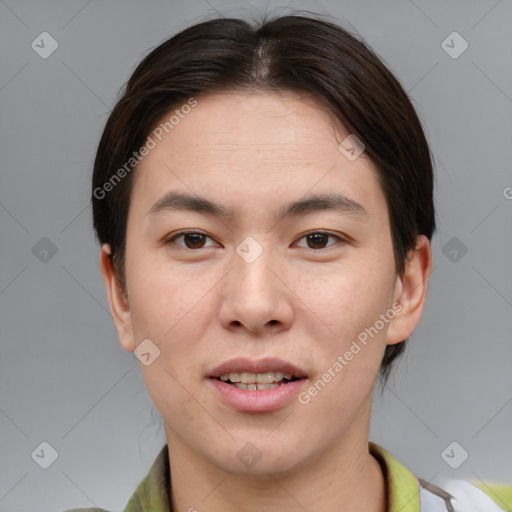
(304, 303)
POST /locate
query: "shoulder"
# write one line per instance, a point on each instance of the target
(408, 493)
(152, 494)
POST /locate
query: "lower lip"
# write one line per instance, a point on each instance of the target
(245, 400)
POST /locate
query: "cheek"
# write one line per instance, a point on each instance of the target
(349, 299)
(349, 356)
(164, 298)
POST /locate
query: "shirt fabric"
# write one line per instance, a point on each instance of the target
(405, 493)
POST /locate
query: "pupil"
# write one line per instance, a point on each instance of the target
(316, 238)
(196, 239)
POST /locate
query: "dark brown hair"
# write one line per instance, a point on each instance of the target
(290, 53)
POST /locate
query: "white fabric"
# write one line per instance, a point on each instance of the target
(430, 502)
(466, 498)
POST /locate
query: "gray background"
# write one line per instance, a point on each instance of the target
(65, 380)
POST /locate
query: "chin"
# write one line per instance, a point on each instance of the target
(258, 456)
(266, 468)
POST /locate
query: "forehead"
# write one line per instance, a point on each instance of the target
(270, 124)
(253, 144)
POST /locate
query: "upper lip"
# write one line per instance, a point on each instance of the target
(244, 365)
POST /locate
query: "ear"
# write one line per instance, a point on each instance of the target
(119, 307)
(411, 291)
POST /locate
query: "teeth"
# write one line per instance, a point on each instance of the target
(256, 378)
(248, 378)
(267, 386)
(265, 378)
(255, 387)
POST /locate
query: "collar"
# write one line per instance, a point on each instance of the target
(152, 494)
(403, 490)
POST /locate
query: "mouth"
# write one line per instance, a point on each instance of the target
(267, 371)
(257, 386)
(258, 381)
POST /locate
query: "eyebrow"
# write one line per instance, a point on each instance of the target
(173, 201)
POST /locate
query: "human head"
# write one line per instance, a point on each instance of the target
(259, 156)
(290, 53)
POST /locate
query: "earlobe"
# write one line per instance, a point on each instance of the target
(411, 291)
(119, 307)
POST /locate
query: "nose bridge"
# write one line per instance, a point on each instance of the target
(254, 296)
(252, 262)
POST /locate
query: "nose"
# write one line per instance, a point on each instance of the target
(255, 296)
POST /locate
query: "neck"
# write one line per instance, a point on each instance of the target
(344, 477)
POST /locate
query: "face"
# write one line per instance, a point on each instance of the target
(264, 274)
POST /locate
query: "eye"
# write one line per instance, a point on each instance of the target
(192, 239)
(196, 239)
(318, 239)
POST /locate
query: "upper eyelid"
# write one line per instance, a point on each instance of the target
(181, 233)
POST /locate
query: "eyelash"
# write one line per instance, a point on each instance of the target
(175, 236)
